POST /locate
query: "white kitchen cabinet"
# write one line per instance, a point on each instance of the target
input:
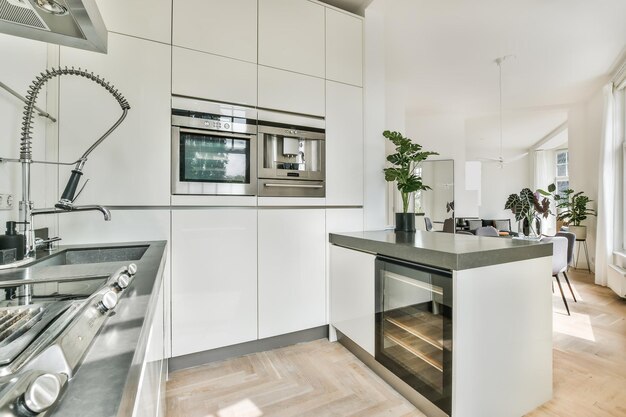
(214, 279)
(132, 166)
(213, 77)
(143, 19)
(344, 144)
(288, 91)
(352, 302)
(292, 288)
(344, 47)
(227, 28)
(291, 36)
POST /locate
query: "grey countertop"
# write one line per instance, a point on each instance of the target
(443, 250)
(107, 380)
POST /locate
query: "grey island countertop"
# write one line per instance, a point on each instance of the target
(107, 381)
(443, 250)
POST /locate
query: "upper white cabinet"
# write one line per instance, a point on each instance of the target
(144, 19)
(344, 144)
(132, 166)
(212, 77)
(288, 91)
(344, 48)
(291, 36)
(214, 285)
(292, 284)
(227, 28)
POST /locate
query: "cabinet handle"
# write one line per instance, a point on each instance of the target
(270, 185)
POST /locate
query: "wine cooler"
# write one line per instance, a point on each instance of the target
(414, 327)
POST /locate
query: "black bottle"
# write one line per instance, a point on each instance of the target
(13, 240)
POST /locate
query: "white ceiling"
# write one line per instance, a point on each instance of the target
(439, 56)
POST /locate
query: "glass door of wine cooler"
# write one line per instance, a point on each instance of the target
(414, 327)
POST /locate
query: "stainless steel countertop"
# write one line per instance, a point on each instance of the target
(443, 250)
(107, 381)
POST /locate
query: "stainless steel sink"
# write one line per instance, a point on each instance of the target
(93, 256)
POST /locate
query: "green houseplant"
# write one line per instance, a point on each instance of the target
(528, 208)
(571, 209)
(406, 157)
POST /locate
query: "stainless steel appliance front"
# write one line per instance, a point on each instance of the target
(213, 148)
(291, 155)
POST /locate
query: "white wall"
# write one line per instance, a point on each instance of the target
(498, 183)
(375, 193)
(22, 60)
(585, 133)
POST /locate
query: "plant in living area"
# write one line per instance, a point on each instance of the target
(528, 206)
(571, 207)
(406, 157)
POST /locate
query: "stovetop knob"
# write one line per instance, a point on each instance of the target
(122, 281)
(42, 393)
(132, 269)
(109, 301)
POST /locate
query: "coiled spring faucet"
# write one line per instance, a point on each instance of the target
(66, 202)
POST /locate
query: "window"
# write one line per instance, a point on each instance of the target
(562, 171)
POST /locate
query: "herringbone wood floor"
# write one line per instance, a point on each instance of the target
(323, 379)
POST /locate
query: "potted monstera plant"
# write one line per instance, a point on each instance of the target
(403, 163)
(571, 209)
(528, 208)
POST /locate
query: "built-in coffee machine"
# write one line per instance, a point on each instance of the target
(291, 155)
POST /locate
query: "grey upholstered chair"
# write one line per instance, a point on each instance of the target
(474, 224)
(448, 225)
(502, 225)
(559, 261)
(464, 232)
(571, 240)
(428, 223)
(487, 231)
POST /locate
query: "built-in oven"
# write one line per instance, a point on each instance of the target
(414, 327)
(291, 155)
(213, 148)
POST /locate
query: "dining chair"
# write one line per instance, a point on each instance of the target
(474, 224)
(559, 261)
(571, 241)
(448, 225)
(487, 231)
(428, 223)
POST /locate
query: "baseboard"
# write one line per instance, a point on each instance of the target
(202, 358)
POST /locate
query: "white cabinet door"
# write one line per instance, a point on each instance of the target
(143, 19)
(291, 36)
(352, 302)
(212, 77)
(132, 166)
(344, 47)
(214, 279)
(344, 144)
(291, 270)
(288, 91)
(227, 28)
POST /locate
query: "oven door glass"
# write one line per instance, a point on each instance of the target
(214, 158)
(414, 327)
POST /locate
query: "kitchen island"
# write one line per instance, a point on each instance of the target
(123, 370)
(460, 325)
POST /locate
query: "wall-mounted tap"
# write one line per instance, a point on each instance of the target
(66, 202)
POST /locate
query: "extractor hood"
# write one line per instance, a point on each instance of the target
(75, 23)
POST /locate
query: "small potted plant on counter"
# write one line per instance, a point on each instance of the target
(407, 156)
(571, 209)
(528, 208)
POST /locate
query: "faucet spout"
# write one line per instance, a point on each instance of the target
(55, 210)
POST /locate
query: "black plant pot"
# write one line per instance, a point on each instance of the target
(405, 222)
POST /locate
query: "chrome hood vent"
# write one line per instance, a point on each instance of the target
(74, 23)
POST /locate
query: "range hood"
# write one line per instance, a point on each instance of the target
(74, 23)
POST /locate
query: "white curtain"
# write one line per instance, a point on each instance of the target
(608, 194)
(544, 168)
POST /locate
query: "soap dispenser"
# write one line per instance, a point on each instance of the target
(13, 240)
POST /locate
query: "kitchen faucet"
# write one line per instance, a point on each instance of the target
(66, 202)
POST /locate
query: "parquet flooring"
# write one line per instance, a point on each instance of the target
(323, 379)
